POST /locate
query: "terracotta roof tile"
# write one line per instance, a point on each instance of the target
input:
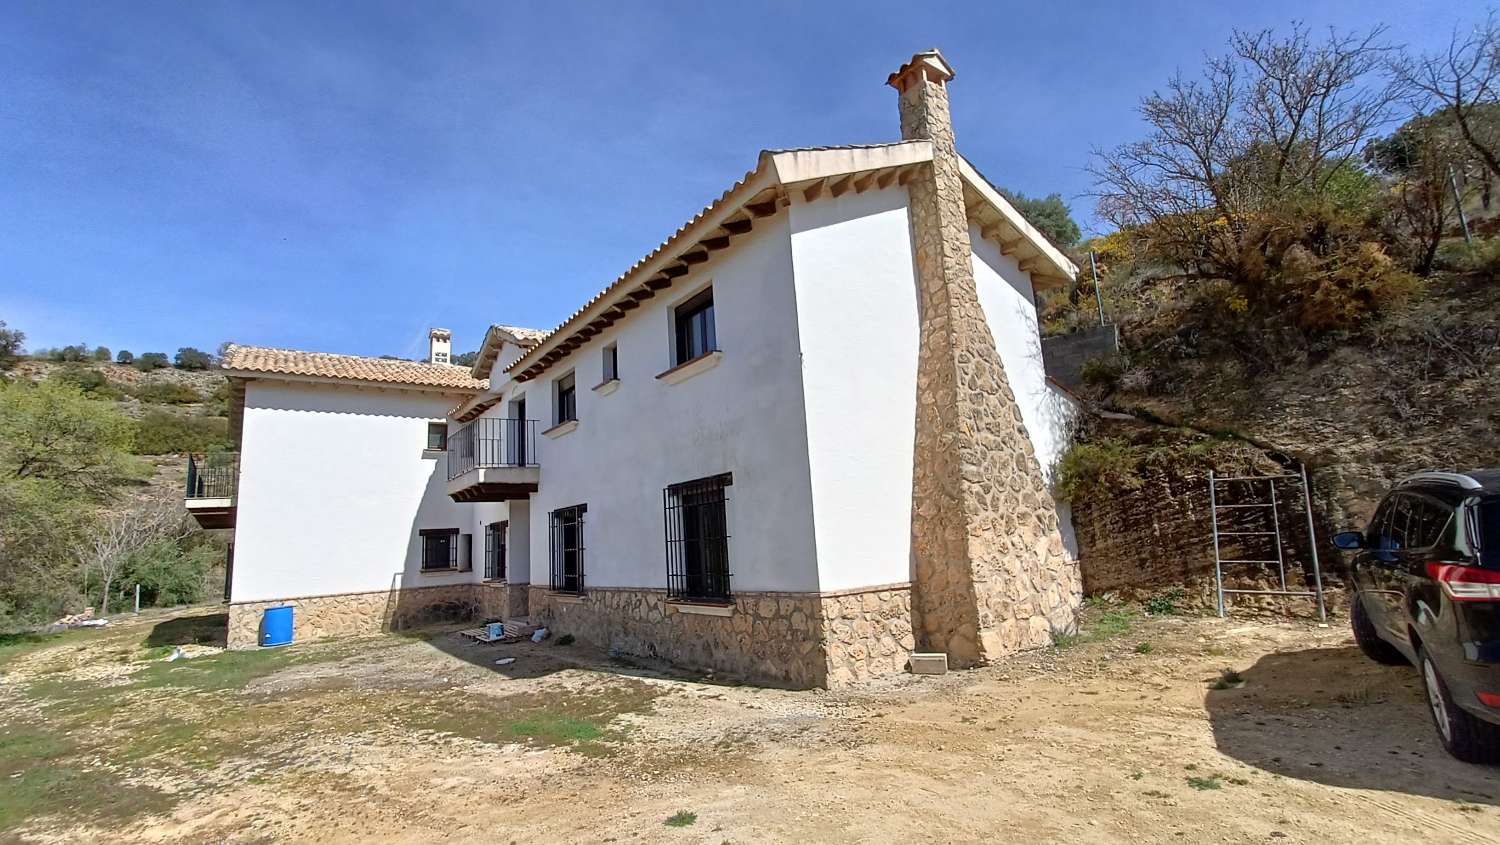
(266, 360)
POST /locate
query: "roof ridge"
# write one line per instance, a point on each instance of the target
(376, 358)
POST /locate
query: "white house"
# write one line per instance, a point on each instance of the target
(807, 435)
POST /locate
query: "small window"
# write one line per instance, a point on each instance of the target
(494, 551)
(567, 548)
(567, 400)
(439, 549)
(698, 539)
(437, 436)
(694, 325)
(611, 362)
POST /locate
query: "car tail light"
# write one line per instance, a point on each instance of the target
(1488, 699)
(1466, 583)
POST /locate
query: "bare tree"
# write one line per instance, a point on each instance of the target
(123, 533)
(1275, 118)
(1461, 82)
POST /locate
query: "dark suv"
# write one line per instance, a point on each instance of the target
(1427, 591)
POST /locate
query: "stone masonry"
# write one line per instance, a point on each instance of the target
(796, 640)
(990, 573)
(353, 614)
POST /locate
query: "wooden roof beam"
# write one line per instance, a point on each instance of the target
(739, 227)
(863, 182)
(841, 186)
(762, 209)
(886, 177)
(815, 190)
(713, 244)
(642, 294)
(694, 257)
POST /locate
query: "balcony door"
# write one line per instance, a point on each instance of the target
(517, 432)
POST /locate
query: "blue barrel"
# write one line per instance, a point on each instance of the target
(276, 626)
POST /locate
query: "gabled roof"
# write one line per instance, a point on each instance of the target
(498, 335)
(264, 361)
(815, 171)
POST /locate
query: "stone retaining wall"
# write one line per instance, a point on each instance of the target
(867, 634)
(353, 614)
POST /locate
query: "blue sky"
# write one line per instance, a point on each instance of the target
(340, 176)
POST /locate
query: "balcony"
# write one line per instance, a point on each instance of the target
(211, 483)
(493, 460)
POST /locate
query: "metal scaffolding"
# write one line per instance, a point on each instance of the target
(1265, 501)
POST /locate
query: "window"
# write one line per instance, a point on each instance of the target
(439, 549)
(694, 324)
(567, 400)
(437, 436)
(698, 539)
(611, 362)
(567, 549)
(1428, 522)
(494, 551)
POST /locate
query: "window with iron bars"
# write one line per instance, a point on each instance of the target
(494, 551)
(567, 548)
(697, 534)
(440, 549)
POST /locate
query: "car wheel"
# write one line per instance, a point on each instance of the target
(1368, 638)
(1462, 735)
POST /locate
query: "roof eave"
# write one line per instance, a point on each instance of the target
(271, 375)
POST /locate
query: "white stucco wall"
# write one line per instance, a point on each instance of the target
(1006, 296)
(744, 416)
(857, 318)
(334, 485)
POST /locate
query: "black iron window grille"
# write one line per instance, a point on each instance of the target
(697, 534)
(494, 551)
(567, 548)
(567, 400)
(694, 323)
(439, 549)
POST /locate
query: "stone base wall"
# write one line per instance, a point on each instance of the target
(773, 639)
(352, 614)
(867, 633)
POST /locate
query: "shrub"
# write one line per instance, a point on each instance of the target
(125, 357)
(152, 361)
(166, 433)
(167, 393)
(88, 380)
(101, 353)
(1482, 257)
(1107, 464)
(1102, 371)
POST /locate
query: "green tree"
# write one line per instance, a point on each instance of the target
(152, 361)
(1049, 214)
(50, 432)
(125, 356)
(466, 359)
(189, 358)
(10, 346)
(101, 353)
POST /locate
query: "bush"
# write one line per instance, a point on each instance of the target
(89, 381)
(1110, 464)
(125, 357)
(1102, 371)
(167, 393)
(171, 572)
(152, 361)
(166, 433)
(1481, 257)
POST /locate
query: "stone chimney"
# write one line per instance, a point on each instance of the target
(439, 346)
(990, 576)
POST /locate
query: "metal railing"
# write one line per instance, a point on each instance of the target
(491, 442)
(212, 476)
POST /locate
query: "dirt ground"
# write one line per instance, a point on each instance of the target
(1118, 736)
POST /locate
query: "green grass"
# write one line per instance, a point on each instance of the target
(555, 729)
(1210, 782)
(1143, 648)
(1104, 626)
(15, 645)
(36, 779)
(231, 670)
(682, 818)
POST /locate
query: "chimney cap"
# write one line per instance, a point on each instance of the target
(440, 333)
(929, 63)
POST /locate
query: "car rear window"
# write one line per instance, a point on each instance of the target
(1489, 533)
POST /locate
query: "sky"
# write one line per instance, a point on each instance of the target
(341, 176)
